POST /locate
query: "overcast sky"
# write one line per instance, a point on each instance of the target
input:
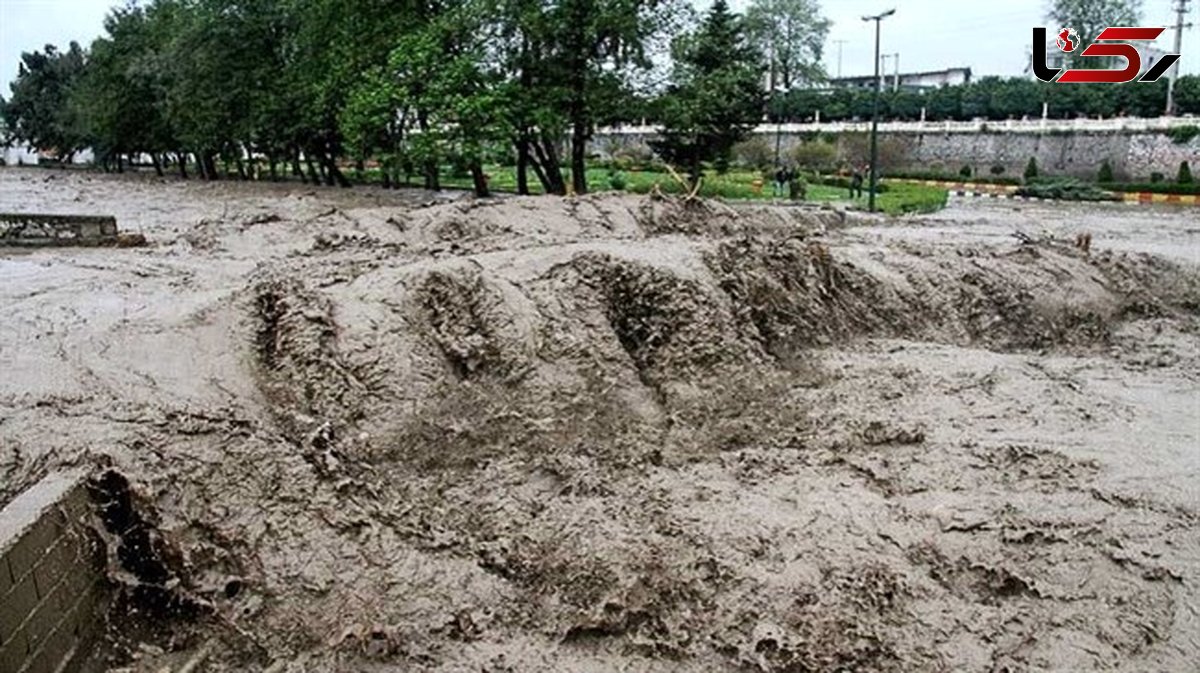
(990, 37)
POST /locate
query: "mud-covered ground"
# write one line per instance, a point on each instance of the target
(368, 431)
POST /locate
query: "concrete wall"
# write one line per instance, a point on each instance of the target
(1067, 148)
(36, 229)
(52, 586)
(1132, 156)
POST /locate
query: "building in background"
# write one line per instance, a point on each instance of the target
(910, 81)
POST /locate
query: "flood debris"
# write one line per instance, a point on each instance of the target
(617, 432)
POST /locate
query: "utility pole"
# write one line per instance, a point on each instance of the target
(839, 43)
(1180, 10)
(895, 56)
(878, 18)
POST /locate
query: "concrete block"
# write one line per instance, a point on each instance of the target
(58, 561)
(51, 574)
(39, 537)
(16, 607)
(6, 578)
(13, 655)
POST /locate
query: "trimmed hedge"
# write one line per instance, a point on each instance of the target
(953, 177)
(1152, 187)
(844, 183)
(1065, 189)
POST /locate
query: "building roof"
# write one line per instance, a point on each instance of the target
(966, 70)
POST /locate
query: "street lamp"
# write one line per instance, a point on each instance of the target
(875, 112)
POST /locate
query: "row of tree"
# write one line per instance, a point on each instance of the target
(306, 87)
(990, 98)
(302, 86)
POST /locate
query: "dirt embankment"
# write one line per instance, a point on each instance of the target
(603, 433)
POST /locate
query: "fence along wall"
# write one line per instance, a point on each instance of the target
(1134, 148)
(53, 592)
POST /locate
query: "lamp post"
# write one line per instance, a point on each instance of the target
(875, 112)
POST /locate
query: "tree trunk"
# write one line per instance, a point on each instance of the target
(523, 163)
(333, 174)
(432, 181)
(271, 168)
(480, 180)
(297, 171)
(312, 170)
(120, 163)
(241, 168)
(551, 172)
(181, 157)
(579, 136)
(157, 164)
(694, 165)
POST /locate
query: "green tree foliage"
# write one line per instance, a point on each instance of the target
(715, 96)
(991, 98)
(38, 112)
(1185, 174)
(1105, 174)
(1088, 18)
(1031, 169)
(789, 34)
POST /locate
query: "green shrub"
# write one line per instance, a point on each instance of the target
(1105, 174)
(1181, 135)
(1185, 174)
(814, 155)
(1152, 187)
(754, 152)
(997, 169)
(843, 182)
(950, 177)
(1157, 177)
(1066, 189)
(1031, 169)
(965, 172)
(616, 180)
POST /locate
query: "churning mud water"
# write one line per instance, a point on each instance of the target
(372, 431)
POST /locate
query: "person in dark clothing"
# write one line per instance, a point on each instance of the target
(780, 181)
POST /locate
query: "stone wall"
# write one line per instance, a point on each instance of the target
(52, 586)
(1132, 155)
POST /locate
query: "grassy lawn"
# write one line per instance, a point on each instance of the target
(737, 184)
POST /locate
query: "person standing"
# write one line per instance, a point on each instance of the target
(856, 183)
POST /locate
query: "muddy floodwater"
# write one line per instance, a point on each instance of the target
(387, 431)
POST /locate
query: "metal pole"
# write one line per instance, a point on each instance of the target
(1180, 10)
(896, 81)
(839, 44)
(875, 113)
(875, 122)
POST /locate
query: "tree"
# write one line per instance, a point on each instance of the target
(716, 95)
(1105, 174)
(1185, 174)
(1088, 18)
(585, 47)
(789, 34)
(38, 112)
(1031, 169)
